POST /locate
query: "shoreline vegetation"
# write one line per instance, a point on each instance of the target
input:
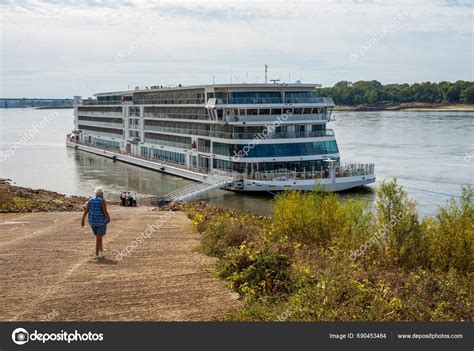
(316, 258)
(19, 199)
(374, 96)
(414, 106)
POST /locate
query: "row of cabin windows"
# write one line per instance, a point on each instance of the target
(163, 154)
(298, 166)
(100, 119)
(108, 144)
(277, 150)
(272, 111)
(262, 97)
(99, 109)
(166, 137)
(101, 129)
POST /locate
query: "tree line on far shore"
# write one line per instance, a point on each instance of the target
(373, 92)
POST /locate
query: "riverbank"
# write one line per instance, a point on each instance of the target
(418, 106)
(20, 199)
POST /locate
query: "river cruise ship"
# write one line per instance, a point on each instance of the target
(262, 137)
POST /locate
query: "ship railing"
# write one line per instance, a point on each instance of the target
(170, 101)
(343, 170)
(168, 143)
(95, 102)
(275, 100)
(100, 113)
(175, 115)
(229, 135)
(354, 169)
(281, 135)
(204, 148)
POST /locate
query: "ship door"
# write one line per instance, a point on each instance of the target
(129, 148)
(204, 162)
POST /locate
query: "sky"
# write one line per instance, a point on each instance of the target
(66, 48)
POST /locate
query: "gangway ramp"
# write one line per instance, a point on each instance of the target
(192, 191)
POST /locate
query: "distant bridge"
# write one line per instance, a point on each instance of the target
(25, 102)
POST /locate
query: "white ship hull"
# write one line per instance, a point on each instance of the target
(339, 183)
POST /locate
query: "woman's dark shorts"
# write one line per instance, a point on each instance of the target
(100, 229)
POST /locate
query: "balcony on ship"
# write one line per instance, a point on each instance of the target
(100, 113)
(101, 124)
(243, 136)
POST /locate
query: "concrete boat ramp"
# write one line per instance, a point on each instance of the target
(152, 271)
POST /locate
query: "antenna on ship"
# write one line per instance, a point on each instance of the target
(266, 68)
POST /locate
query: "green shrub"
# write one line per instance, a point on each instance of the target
(16, 204)
(225, 232)
(397, 218)
(305, 218)
(452, 235)
(256, 272)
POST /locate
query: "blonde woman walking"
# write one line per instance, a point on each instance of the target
(98, 219)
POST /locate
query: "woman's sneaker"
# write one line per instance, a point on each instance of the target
(101, 254)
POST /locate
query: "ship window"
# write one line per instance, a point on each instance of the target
(276, 111)
(295, 97)
(242, 112)
(264, 111)
(297, 111)
(318, 127)
(219, 114)
(252, 111)
(307, 111)
(278, 150)
(262, 97)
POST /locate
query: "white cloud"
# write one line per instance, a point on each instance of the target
(68, 48)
